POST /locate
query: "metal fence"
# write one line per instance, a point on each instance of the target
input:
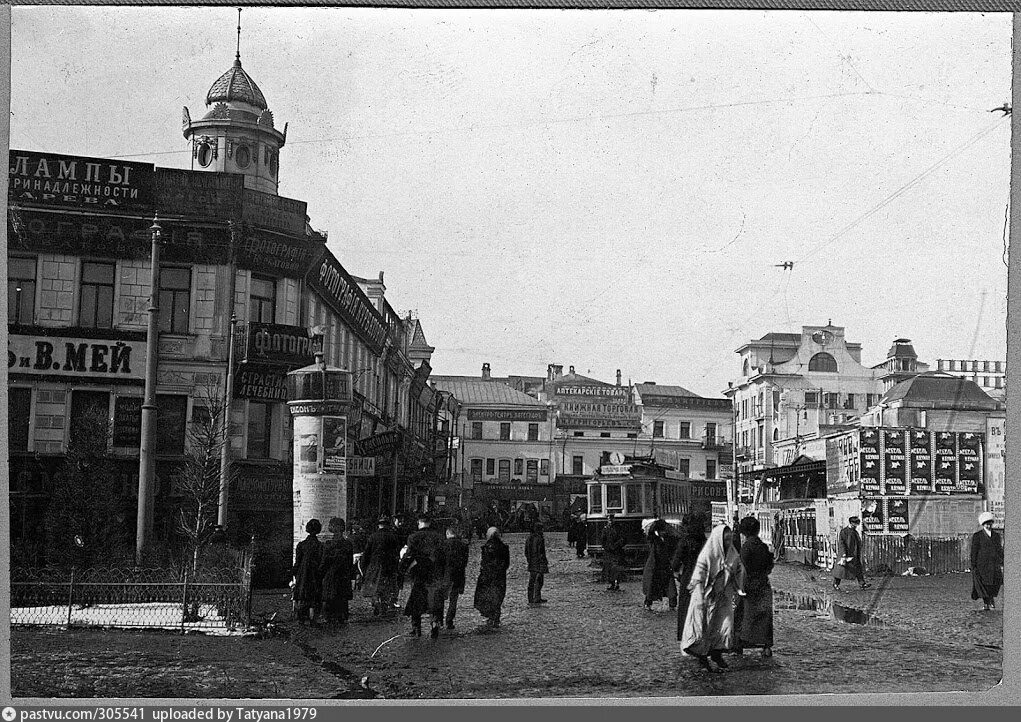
(217, 598)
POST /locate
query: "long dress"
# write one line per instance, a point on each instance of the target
(709, 624)
(657, 579)
(491, 587)
(986, 565)
(336, 571)
(756, 624)
(307, 587)
(690, 543)
(379, 566)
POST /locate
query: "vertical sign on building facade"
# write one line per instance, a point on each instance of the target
(920, 444)
(893, 462)
(969, 453)
(946, 462)
(870, 471)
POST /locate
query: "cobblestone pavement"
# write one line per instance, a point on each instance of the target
(922, 634)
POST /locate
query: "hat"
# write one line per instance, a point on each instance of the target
(853, 520)
(384, 519)
(984, 517)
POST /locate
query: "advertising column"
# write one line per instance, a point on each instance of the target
(319, 403)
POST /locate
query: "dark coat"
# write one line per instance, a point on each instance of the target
(491, 587)
(307, 557)
(613, 542)
(848, 545)
(457, 561)
(535, 553)
(337, 568)
(986, 564)
(425, 566)
(657, 576)
(379, 563)
(755, 627)
(689, 544)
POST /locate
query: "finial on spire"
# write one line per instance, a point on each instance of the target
(238, 55)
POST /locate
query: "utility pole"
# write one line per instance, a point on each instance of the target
(147, 450)
(228, 394)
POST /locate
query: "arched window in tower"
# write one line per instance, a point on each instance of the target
(204, 154)
(822, 362)
(745, 368)
(776, 434)
(273, 163)
(243, 156)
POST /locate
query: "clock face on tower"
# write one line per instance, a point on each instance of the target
(822, 337)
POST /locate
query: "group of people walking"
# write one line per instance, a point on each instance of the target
(431, 562)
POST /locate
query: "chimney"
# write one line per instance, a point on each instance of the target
(485, 372)
(618, 377)
(572, 370)
(558, 371)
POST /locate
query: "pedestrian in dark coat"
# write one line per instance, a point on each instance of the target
(986, 562)
(379, 567)
(848, 561)
(336, 570)
(491, 587)
(457, 562)
(613, 554)
(689, 543)
(424, 565)
(755, 595)
(538, 564)
(307, 588)
(577, 534)
(657, 578)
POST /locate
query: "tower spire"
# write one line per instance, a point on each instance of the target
(238, 55)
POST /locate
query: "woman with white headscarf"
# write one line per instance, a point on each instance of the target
(491, 587)
(709, 624)
(986, 562)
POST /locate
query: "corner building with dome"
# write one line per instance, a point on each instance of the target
(79, 231)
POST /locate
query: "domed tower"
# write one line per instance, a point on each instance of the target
(236, 135)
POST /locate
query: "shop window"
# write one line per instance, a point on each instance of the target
(96, 308)
(505, 470)
(260, 429)
(19, 417)
(657, 429)
(532, 471)
(533, 432)
(505, 432)
(476, 470)
(577, 465)
(90, 412)
(476, 429)
(175, 299)
(20, 290)
(263, 300)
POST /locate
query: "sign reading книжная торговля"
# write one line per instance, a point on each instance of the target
(65, 181)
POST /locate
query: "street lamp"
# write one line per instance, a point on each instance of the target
(147, 451)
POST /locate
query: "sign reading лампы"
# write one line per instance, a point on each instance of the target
(66, 181)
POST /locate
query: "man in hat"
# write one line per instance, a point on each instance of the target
(613, 553)
(986, 562)
(379, 567)
(848, 563)
(424, 565)
(538, 564)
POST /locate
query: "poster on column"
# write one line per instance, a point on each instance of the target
(969, 452)
(897, 515)
(893, 462)
(945, 477)
(869, 461)
(323, 496)
(334, 445)
(306, 444)
(872, 516)
(920, 444)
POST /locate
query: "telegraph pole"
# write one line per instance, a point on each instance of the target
(147, 450)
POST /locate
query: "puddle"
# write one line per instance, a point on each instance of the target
(829, 609)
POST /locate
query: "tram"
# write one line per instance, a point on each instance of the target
(637, 490)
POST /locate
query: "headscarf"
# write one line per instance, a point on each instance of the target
(714, 556)
(492, 532)
(984, 517)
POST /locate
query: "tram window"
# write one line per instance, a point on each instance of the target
(633, 494)
(650, 498)
(595, 501)
(614, 502)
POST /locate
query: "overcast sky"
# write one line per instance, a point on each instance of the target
(598, 189)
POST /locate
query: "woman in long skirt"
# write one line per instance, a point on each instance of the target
(755, 628)
(709, 624)
(491, 587)
(986, 562)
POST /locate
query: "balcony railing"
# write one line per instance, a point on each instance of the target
(713, 443)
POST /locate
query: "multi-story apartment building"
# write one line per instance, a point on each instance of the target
(991, 376)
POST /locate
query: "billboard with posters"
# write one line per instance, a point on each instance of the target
(969, 462)
(870, 470)
(920, 460)
(894, 461)
(872, 521)
(945, 473)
